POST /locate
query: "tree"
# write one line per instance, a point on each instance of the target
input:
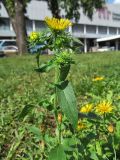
(16, 10)
(72, 7)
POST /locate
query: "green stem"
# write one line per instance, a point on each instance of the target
(104, 121)
(115, 156)
(55, 98)
(60, 135)
(77, 158)
(55, 105)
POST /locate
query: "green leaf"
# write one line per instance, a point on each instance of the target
(45, 67)
(14, 147)
(67, 102)
(26, 110)
(98, 148)
(117, 133)
(35, 131)
(57, 153)
(94, 156)
(64, 70)
(76, 40)
(69, 144)
(46, 104)
(109, 96)
(42, 68)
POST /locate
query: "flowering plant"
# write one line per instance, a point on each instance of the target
(67, 133)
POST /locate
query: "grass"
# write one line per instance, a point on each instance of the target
(21, 69)
(21, 85)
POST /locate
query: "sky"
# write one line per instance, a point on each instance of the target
(113, 1)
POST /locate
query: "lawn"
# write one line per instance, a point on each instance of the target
(20, 85)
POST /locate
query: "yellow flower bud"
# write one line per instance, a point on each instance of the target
(59, 117)
(111, 128)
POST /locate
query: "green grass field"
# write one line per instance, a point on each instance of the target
(21, 85)
(17, 73)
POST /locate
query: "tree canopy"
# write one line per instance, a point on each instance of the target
(72, 7)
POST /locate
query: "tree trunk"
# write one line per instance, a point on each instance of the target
(20, 27)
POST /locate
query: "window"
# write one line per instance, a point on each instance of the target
(112, 31)
(90, 29)
(39, 25)
(9, 43)
(78, 28)
(5, 24)
(102, 30)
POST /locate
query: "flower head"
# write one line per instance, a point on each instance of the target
(104, 107)
(34, 36)
(97, 79)
(87, 108)
(80, 125)
(58, 24)
(59, 117)
(110, 128)
(63, 58)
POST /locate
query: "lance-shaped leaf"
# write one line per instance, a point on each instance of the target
(26, 110)
(57, 153)
(64, 70)
(67, 101)
(45, 67)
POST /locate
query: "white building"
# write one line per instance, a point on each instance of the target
(105, 23)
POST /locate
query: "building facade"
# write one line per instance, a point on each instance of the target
(105, 22)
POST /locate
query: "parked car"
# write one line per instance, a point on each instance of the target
(105, 48)
(8, 46)
(9, 50)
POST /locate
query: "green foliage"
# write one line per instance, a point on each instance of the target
(117, 133)
(57, 153)
(72, 7)
(21, 85)
(36, 132)
(10, 5)
(26, 110)
(67, 102)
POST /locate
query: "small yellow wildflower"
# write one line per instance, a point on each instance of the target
(110, 128)
(59, 117)
(58, 24)
(104, 107)
(80, 125)
(97, 79)
(33, 36)
(87, 108)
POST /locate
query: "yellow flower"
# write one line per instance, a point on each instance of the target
(58, 24)
(80, 125)
(34, 36)
(87, 108)
(104, 107)
(59, 117)
(110, 128)
(97, 79)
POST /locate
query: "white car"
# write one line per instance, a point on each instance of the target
(105, 48)
(8, 46)
(10, 49)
